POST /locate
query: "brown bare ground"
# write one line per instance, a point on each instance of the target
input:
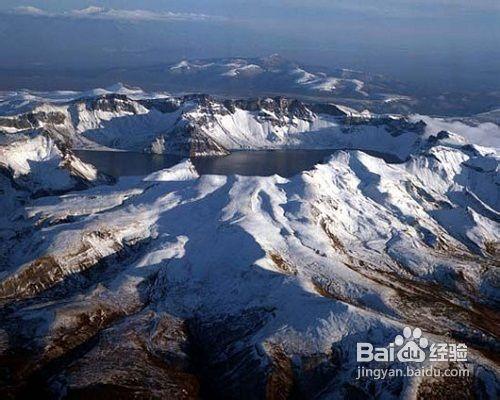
(282, 265)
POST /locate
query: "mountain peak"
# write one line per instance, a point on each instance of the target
(121, 88)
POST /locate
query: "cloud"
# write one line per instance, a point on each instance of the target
(28, 10)
(101, 13)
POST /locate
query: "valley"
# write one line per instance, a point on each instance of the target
(194, 246)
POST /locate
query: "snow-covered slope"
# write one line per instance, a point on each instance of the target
(483, 129)
(203, 125)
(121, 118)
(176, 285)
(35, 167)
(38, 164)
(275, 71)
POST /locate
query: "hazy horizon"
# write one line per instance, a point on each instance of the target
(446, 45)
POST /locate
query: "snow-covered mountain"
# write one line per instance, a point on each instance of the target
(177, 285)
(271, 76)
(48, 167)
(275, 75)
(198, 125)
(275, 71)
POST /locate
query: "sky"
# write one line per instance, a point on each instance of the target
(449, 43)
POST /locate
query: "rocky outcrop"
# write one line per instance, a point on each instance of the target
(181, 286)
(186, 286)
(33, 120)
(188, 140)
(197, 124)
(38, 166)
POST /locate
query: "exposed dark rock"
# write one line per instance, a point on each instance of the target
(165, 105)
(111, 103)
(191, 140)
(33, 120)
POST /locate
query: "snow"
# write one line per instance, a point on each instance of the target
(326, 85)
(42, 161)
(484, 134)
(363, 197)
(304, 77)
(268, 72)
(183, 171)
(186, 66)
(243, 70)
(181, 65)
(125, 123)
(352, 250)
(392, 98)
(259, 131)
(95, 121)
(22, 100)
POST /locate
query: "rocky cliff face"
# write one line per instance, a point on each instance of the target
(196, 125)
(177, 285)
(180, 286)
(39, 166)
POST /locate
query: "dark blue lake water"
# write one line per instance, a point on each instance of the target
(285, 163)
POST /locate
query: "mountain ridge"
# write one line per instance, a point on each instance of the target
(181, 285)
(192, 124)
